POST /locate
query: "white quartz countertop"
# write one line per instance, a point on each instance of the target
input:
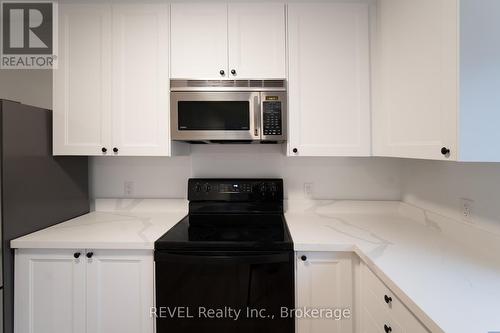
(116, 224)
(446, 272)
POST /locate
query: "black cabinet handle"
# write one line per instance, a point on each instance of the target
(295, 150)
(76, 255)
(387, 329)
(104, 150)
(115, 150)
(233, 71)
(445, 151)
(221, 72)
(387, 299)
(90, 254)
(303, 258)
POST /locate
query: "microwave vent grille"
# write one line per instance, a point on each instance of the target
(230, 84)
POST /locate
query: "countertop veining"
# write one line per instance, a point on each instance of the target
(446, 272)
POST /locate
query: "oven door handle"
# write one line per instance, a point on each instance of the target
(222, 258)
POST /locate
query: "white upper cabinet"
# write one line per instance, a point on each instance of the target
(256, 40)
(111, 90)
(228, 41)
(437, 65)
(199, 40)
(82, 82)
(329, 79)
(140, 86)
(415, 96)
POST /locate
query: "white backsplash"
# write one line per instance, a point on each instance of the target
(331, 178)
(440, 187)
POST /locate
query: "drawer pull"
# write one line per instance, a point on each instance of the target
(387, 299)
(387, 329)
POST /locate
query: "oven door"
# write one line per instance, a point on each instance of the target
(215, 116)
(244, 292)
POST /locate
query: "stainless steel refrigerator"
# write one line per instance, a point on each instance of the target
(37, 189)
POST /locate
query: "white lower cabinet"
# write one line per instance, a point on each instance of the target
(340, 281)
(78, 291)
(379, 310)
(324, 280)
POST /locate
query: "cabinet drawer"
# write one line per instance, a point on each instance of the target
(379, 297)
(375, 315)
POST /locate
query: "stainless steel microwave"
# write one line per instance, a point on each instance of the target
(228, 111)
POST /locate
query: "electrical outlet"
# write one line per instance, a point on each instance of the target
(308, 190)
(467, 207)
(128, 188)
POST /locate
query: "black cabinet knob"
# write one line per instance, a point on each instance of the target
(387, 329)
(387, 299)
(445, 151)
(104, 149)
(90, 254)
(303, 258)
(221, 72)
(295, 150)
(115, 150)
(233, 71)
(76, 255)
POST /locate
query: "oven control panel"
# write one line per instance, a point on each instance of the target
(235, 189)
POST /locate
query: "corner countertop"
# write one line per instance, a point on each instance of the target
(446, 272)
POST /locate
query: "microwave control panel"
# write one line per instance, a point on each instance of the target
(272, 108)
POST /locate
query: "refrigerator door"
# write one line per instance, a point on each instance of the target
(38, 189)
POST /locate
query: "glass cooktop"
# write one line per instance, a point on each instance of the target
(228, 232)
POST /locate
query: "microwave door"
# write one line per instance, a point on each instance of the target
(214, 116)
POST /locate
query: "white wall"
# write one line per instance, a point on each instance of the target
(440, 186)
(33, 87)
(332, 178)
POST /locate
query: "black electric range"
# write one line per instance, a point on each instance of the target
(232, 257)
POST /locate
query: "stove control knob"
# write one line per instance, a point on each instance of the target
(207, 188)
(197, 188)
(263, 189)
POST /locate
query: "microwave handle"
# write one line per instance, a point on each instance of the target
(257, 114)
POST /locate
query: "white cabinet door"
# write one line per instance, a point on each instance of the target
(120, 292)
(256, 40)
(140, 118)
(49, 292)
(416, 95)
(199, 40)
(324, 280)
(82, 83)
(329, 79)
